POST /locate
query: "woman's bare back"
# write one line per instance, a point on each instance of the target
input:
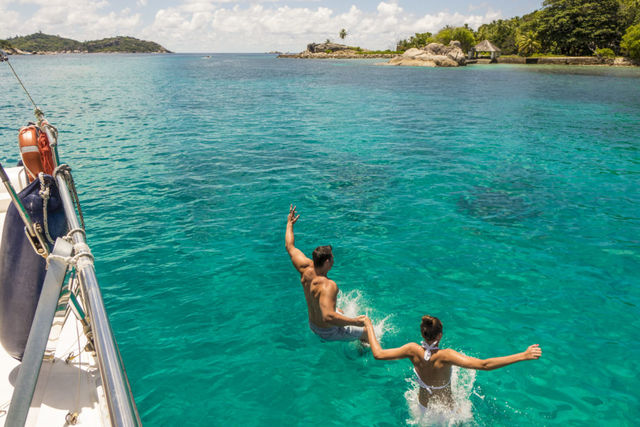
(434, 374)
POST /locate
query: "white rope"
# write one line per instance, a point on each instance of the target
(80, 249)
(72, 260)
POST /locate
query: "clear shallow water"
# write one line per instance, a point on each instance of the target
(502, 199)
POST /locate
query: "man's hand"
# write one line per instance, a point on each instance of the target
(533, 352)
(300, 262)
(362, 320)
(292, 218)
(367, 322)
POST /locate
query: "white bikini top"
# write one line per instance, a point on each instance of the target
(428, 348)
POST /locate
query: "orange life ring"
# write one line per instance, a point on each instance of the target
(46, 154)
(28, 140)
(35, 151)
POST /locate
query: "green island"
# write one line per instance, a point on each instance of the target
(46, 44)
(597, 31)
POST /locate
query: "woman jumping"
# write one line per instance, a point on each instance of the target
(432, 365)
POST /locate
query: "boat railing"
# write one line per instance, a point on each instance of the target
(122, 407)
(117, 391)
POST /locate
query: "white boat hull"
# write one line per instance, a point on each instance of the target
(69, 382)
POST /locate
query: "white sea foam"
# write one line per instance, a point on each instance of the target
(350, 303)
(437, 414)
(353, 304)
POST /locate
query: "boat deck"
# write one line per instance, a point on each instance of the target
(65, 384)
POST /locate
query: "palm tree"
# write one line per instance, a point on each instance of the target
(342, 33)
(527, 43)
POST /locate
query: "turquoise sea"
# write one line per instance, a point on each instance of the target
(503, 199)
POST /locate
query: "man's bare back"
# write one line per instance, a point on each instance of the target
(314, 287)
(321, 292)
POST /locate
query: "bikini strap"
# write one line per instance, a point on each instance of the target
(428, 348)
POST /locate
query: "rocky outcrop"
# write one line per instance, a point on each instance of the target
(14, 51)
(335, 51)
(327, 47)
(343, 54)
(432, 55)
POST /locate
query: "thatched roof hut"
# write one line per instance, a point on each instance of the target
(485, 46)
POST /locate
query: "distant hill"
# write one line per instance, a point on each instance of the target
(40, 42)
(123, 44)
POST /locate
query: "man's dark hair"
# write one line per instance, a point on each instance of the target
(321, 254)
(430, 328)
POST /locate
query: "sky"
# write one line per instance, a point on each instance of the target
(250, 25)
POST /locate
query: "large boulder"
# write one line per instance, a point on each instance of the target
(326, 47)
(408, 61)
(433, 54)
(413, 52)
(440, 60)
(434, 48)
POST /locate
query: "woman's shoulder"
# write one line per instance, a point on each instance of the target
(443, 354)
(413, 349)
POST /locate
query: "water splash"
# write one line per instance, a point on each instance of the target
(353, 304)
(437, 414)
(350, 303)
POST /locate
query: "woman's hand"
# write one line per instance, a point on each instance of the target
(367, 322)
(533, 352)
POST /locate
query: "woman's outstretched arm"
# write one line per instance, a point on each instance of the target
(409, 350)
(453, 357)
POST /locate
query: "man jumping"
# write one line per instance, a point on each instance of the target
(321, 292)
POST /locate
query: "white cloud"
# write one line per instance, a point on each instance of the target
(76, 19)
(388, 8)
(258, 27)
(230, 25)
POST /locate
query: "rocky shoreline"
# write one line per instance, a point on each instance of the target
(438, 55)
(432, 55)
(335, 51)
(341, 55)
(568, 60)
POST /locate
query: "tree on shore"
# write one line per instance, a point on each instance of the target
(527, 44)
(502, 33)
(631, 42)
(418, 40)
(578, 27)
(343, 33)
(629, 13)
(566, 27)
(465, 36)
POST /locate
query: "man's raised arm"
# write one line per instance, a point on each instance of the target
(299, 260)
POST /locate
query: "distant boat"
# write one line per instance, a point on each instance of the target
(59, 362)
(206, 57)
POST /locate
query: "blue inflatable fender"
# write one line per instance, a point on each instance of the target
(22, 270)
